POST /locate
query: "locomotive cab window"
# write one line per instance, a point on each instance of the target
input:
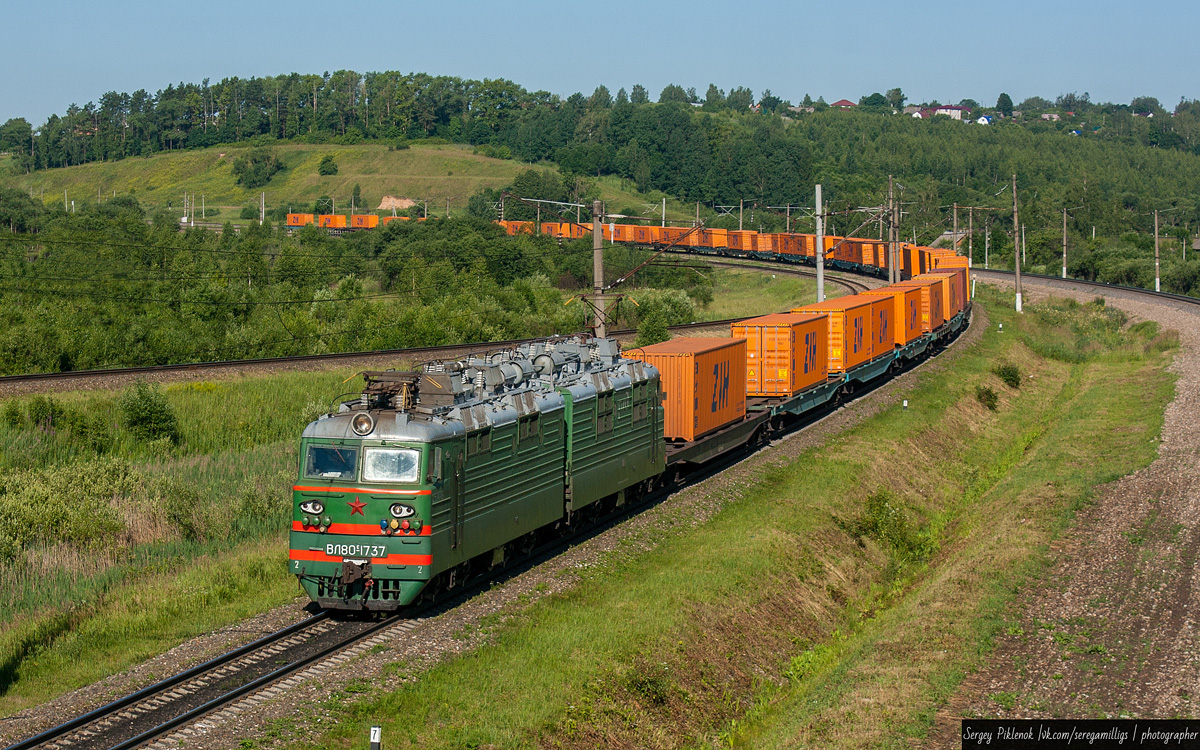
(391, 465)
(330, 462)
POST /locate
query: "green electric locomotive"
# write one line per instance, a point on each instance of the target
(433, 475)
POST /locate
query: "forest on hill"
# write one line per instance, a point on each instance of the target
(1119, 161)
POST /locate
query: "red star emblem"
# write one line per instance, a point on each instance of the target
(356, 506)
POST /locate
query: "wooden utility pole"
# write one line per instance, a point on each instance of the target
(893, 271)
(1016, 241)
(1157, 285)
(955, 242)
(820, 249)
(970, 237)
(598, 267)
(696, 223)
(987, 240)
(1064, 275)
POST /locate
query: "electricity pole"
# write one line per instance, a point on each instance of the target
(955, 242)
(970, 236)
(893, 271)
(741, 207)
(1157, 285)
(820, 248)
(1064, 243)
(1016, 240)
(598, 267)
(987, 240)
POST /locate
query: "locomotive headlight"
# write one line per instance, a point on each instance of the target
(312, 507)
(362, 424)
(325, 522)
(393, 524)
(304, 520)
(400, 510)
(416, 524)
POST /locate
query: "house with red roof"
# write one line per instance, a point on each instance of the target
(843, 103)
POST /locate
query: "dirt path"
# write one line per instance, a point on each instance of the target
(1110, 630)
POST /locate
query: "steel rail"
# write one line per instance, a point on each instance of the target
(163, 685)
(1095, 284)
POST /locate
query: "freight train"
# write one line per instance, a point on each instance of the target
(429, 477)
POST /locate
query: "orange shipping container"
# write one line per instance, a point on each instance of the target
(769, 243)
(714, 238)
(883, 327)
(785, 353)
(364, 221)
(703, 382)
(332, 221)
(932, 313)
(957, 262)
(671, 234)
(299, 220)
(742, 240)
(906, 311)
(952, 302)
(645, 235)
(849, 329)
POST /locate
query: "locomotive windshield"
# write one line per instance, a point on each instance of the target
(330, 462)
(391, 465)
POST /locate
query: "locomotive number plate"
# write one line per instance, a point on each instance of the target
(356, 550)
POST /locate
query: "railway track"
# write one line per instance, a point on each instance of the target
(257, 671)
(1056, 281)
(187, 697)
(852, 285)
(199, 369)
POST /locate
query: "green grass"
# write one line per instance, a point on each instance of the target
(46, 655)
(790, 616)
(433, 171)
(739, 294)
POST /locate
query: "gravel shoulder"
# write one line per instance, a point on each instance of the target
(295, 716)
(1110, 630)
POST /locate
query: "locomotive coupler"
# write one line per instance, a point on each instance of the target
(353, 570)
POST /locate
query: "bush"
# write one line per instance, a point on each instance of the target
(1009, 373)
(256, 168)
(327, 166)
(652, 329)
(249, 212)
(987, 397)
(45, 412)
(885, 521)
(12, 414)
(146, 413)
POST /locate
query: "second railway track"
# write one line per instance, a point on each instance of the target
(186, 698)
(117, 376)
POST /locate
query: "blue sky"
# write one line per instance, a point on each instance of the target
(59, 52)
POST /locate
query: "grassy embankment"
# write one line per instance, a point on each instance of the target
(836, 599)
(433, 172)
(163, 542)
